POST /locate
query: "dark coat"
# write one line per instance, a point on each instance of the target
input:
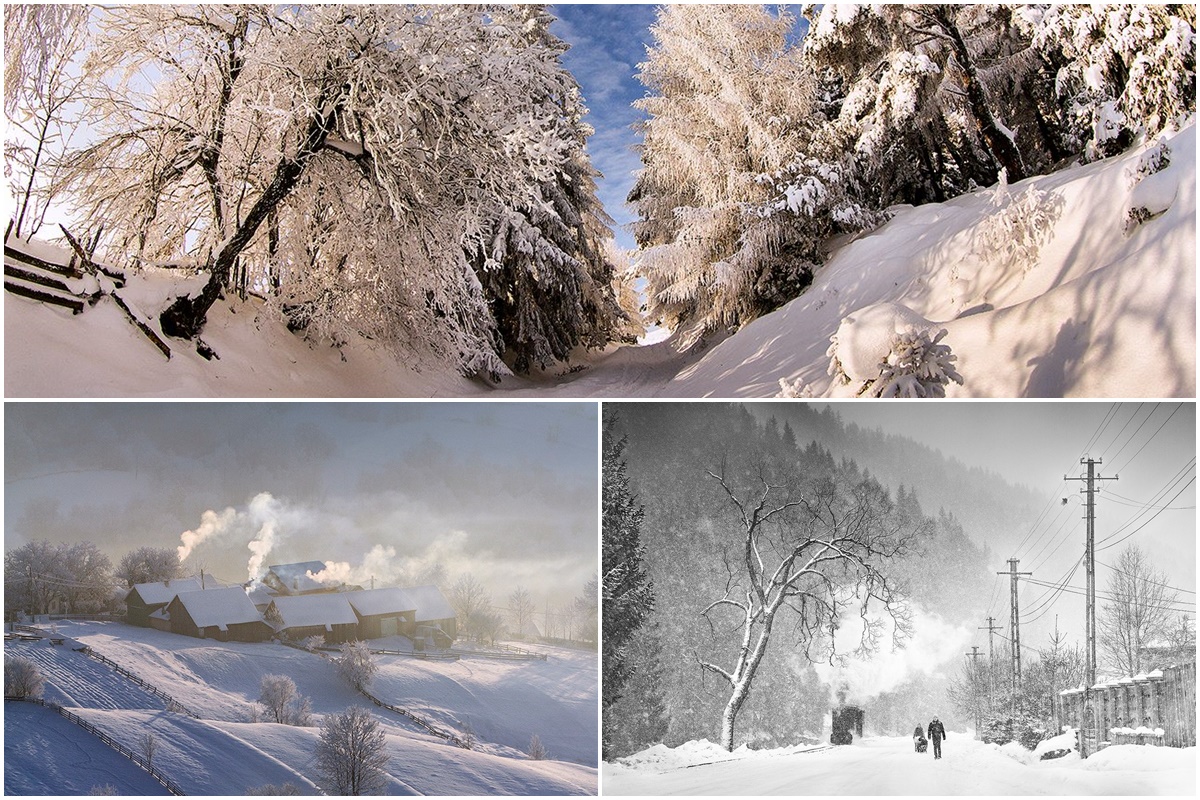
(936, 731)
(918, 733)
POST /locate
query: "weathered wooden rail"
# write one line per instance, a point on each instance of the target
(136, 758)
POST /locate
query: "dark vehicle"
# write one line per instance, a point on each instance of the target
(847, 721)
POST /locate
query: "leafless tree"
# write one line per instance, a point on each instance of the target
(350, 753)
(22, 678)
(1140, 612)
(284, 704)
(469, 599)
(520, 610)
(815, 551)
(149, 745)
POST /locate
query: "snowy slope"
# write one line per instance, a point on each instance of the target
(503, 701)
(1060, 300)
(73, 679)
(45, 754)
(888, 766)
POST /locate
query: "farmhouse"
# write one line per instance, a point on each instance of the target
(226, 615)
(146, 598)
(433, 610)
(383, 612)
(301, 616)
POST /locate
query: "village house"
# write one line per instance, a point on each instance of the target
(383, 612)
(294, 578)
(433, 611)
(146, 598)
(226, 615)
(329, 615)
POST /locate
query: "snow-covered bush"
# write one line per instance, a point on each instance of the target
(1024, 729)
(22, 678)
(313, 643)
(888, 350)
(105, 790)
(537, 751)
(271, 789)
(1153, 187)
(1021, 224)
(356, 665)
(794, 389)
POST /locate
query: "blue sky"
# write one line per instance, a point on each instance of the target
(607, 43)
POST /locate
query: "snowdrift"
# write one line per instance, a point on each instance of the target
(1045, 288)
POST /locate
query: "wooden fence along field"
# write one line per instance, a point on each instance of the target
(1132, 710)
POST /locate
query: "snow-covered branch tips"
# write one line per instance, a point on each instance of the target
(814, 549)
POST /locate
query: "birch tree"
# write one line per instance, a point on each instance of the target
(813, 552)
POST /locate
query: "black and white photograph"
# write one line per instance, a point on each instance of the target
(899, 599)
(296, 598)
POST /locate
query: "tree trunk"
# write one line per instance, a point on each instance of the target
(1002, 148)
(185, 317)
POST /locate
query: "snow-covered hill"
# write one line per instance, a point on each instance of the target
(503, 703)
(1044, 288)
(888, 766)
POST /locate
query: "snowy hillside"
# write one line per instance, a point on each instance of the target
(888, 766)
(503, 703)
(1044, 288)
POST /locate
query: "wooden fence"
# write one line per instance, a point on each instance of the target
(1166, 701)
(136, 758)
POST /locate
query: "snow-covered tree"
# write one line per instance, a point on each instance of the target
(628, 592)
(149, 565)
(357, 664)
(537, 751)
(1122, 70)
(1140, 613)
(40, 574)
(41, 84)
(148, 744)
(283, 703)
(727, 107)
(351, 755)
(356, 164)
(271, 789)
(814, 551)
(22, 678)
(469, 599)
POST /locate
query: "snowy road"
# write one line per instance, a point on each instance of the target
(888, 766)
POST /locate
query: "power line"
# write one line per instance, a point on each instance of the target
(1147, 580)
(1108, 595)
(1147, 522)
(1151, 439)
(1135, 433)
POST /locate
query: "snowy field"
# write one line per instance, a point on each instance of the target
(502, 702)
(1042, 290)
(888, 766)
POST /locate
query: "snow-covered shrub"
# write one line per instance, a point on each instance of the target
(1024, 729)
(887, 350)
(794, 389)
(103, 791)
(1021, 224)
(537, 751)
(22, 678)
(1153, 187)
(1155, 159)
(313, 643)
(356, 665)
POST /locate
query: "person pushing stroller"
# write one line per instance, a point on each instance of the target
(919, 741)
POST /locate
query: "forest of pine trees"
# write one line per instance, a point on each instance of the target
(761, 143)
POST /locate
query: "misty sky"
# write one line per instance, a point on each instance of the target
(505, 491)
(1151, 446)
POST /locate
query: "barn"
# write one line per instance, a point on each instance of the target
(433, 610)
(383, 612)
(146, 598)
(226, 615)
(301, 616)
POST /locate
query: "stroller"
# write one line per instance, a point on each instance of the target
(920, 743)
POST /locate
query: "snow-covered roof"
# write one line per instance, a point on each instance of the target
(165, 591)
(220, 607)
(259, 594)
(430, 603)
(306, 610)
(373, 602)
(294, 577)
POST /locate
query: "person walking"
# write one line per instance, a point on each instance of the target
(919, 739)
(936, 732)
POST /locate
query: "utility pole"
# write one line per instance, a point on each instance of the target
(1090, 554)
(1016, 627)
(991, 629)
(974, 656)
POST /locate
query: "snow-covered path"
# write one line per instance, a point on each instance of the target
(888, 766)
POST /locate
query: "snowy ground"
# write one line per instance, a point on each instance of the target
(888, 766)
(1085, 308)
(503, 702)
